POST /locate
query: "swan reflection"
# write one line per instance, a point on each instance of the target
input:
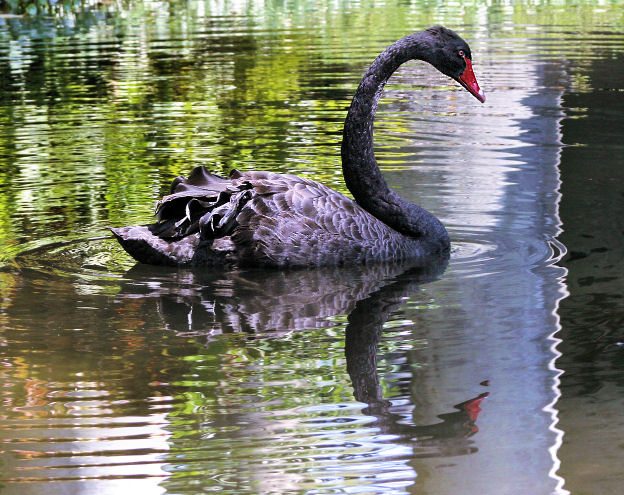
(203, 304)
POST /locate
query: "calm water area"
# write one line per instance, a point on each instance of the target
(499, 373)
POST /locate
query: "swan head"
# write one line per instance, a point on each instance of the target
(451, 55)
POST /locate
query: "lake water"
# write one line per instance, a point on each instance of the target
(500, 373)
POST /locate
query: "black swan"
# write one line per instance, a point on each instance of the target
(271, 219)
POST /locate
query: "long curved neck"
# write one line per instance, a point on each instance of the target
(359, 166)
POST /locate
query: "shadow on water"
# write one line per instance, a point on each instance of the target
(204, 304)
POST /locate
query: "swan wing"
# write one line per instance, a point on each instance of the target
(290, 220)
(256, 218)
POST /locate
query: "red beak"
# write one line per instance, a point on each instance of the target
(469, 81)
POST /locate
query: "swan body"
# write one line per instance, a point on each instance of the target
(271, 219)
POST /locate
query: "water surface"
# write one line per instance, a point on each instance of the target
(499, 372)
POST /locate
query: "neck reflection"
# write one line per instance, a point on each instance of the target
(204, 303)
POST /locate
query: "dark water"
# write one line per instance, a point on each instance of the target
(499, 373)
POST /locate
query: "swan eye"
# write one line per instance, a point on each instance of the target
(461, 53)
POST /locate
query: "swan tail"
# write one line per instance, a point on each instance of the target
(199, 210)
(145, 247)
